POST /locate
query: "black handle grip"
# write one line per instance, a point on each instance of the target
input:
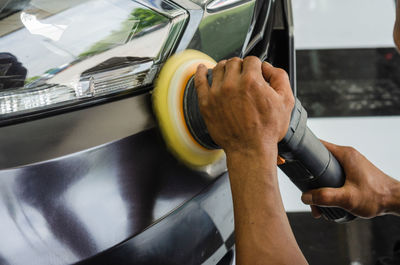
(309, 165)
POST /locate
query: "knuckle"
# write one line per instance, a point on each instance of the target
(221, 64)
(203, 103)
(252, 59)
(348, 202)
(235, 60)
(249, 80)
(290, 101)
(279, 72)
(323, 197)
(352, 152)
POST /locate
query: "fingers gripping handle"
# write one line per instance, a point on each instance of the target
(309, 164)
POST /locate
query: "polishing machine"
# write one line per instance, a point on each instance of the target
(302, 156)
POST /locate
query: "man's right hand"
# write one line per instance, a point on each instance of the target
(367, 192)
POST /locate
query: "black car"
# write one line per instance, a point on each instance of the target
(85, 176)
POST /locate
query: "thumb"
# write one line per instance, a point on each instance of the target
(327, 197)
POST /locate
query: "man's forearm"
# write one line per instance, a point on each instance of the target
(261, 225)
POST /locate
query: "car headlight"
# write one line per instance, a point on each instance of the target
(66, 54)
(60, 54)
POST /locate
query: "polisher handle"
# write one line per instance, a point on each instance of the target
(308, 163)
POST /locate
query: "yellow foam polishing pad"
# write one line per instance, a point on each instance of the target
(168, 107)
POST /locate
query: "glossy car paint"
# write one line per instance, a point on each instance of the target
(71, 208)
(96, 185)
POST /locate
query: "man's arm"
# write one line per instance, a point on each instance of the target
(262, 230)
(367, 192)
(247, 111)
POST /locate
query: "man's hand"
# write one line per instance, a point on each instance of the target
(247, 111)
(248, 105)
(367, 192)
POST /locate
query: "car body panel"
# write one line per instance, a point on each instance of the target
(94, 182)
(69, 209)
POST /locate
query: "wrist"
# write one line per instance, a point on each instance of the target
(258, 164)
(266, 148)
(262, 158)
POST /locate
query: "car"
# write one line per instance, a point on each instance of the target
(85, 177)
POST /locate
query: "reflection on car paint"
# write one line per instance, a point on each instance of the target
(69, 209)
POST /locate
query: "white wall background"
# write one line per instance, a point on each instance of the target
(321, 24)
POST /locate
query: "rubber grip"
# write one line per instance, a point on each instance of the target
(309, 165)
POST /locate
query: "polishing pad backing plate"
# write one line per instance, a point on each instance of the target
(168, 107)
